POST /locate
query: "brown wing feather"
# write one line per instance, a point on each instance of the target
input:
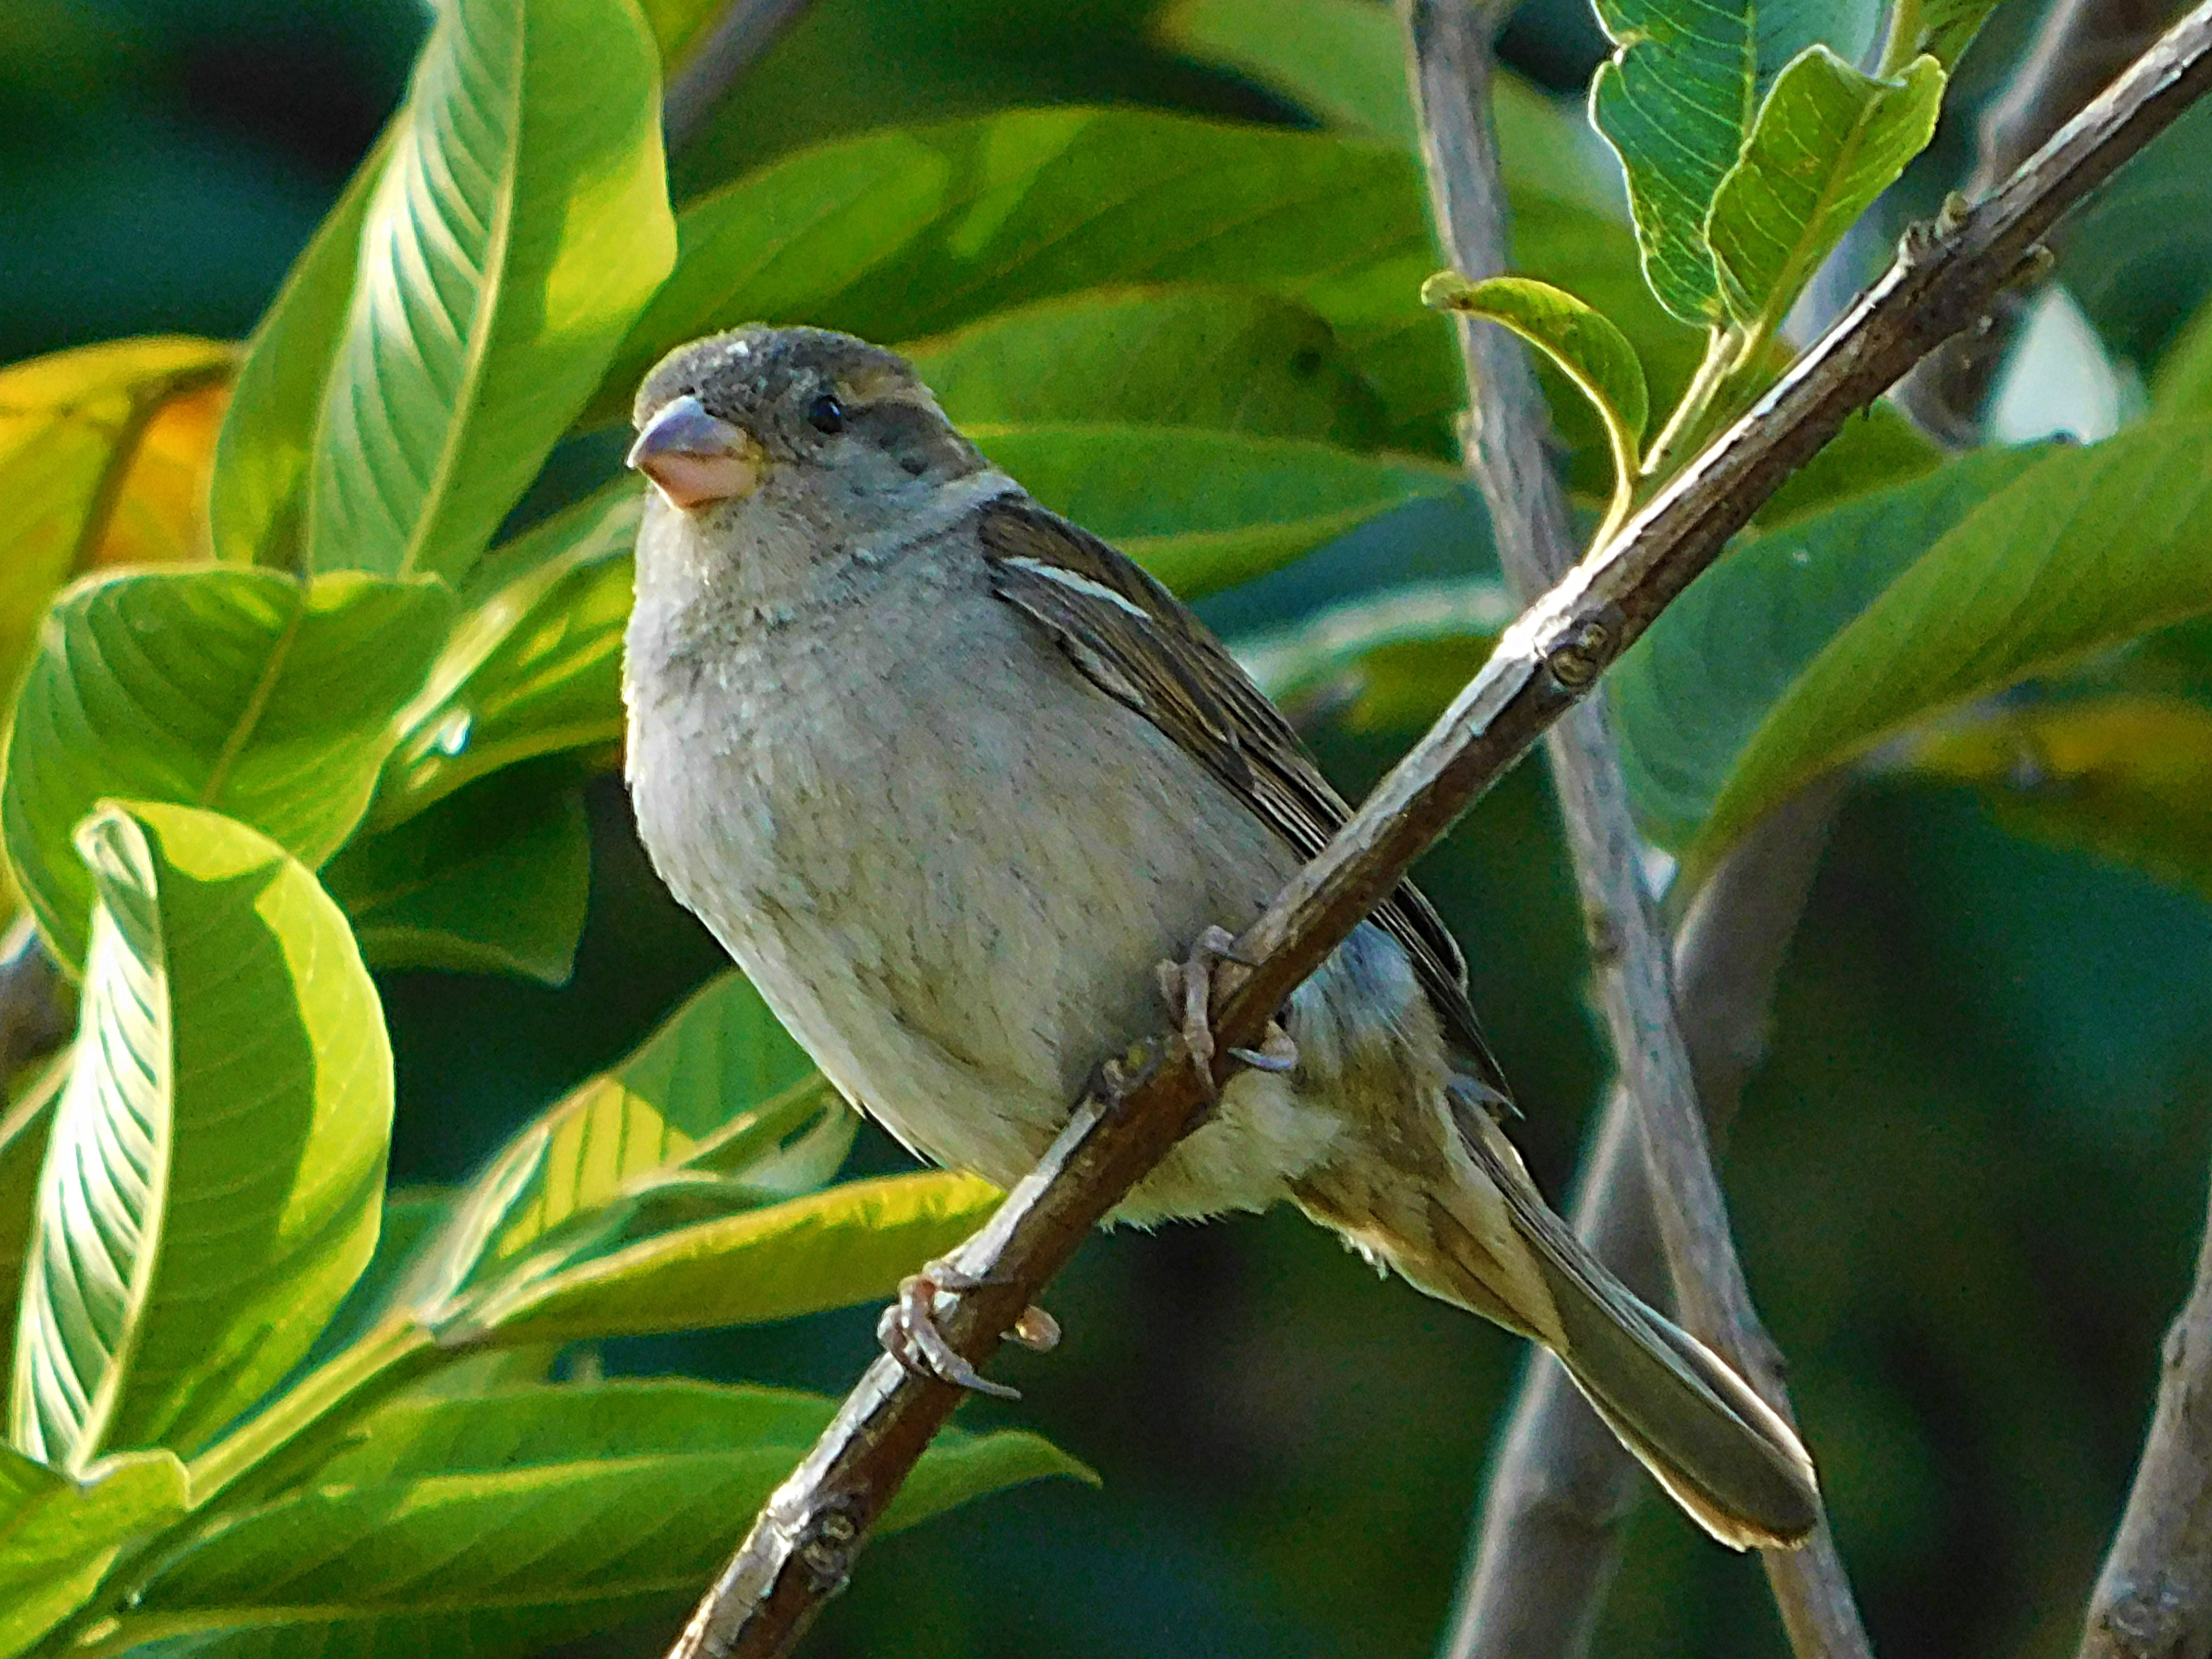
(1138, 644)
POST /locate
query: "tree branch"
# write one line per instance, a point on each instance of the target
(802, 1546)
(2082, 44)
(1555, 1512)
(746, 30)
(1451, 67)
(2154, 1598)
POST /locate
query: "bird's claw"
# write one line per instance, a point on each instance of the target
(1276, 1052)
(1188, 988)
(908, 1330)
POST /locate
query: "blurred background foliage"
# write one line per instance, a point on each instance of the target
(1968, 1183)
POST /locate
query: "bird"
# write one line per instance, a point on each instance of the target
(963, 790)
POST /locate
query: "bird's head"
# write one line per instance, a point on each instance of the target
(804, 419)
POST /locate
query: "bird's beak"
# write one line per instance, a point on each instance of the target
(694, 458)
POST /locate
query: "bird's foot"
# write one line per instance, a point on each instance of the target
(908, 1330)
(1188, 988)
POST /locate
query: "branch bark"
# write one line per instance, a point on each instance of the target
(1505, 1610)
(2154, 1598)
(802, 1547)
(2082, 44)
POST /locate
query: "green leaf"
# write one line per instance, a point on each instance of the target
(1229, 359)
(535, 669)
(2137, 254)
(1877, 447)
(704, 1114)
(848, 1243)
(237, 690)
(1385, 662)
(504, 1525)
(519, 225)
(2126, 778)
(1204, 510)
(2084, 549)
(411, 1215)
(897, 236)
(71, 427)
(720, 1068)
(1587, 347)
(1827, 142)
(680, 27)
(1343, 59)
(1596, 257)
(58, 1535)
(492, 880)
(213, 1180)
(2183, 384)
(1941, 29)
(256, 497)
(1690, 694)
(1674, 102)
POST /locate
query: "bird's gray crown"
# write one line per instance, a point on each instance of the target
(749, 373)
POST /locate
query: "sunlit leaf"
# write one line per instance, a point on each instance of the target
(214, 1175)
(1827, 141)
(1229, 359)
(1204, 510)
(719, 1065)
(505, 1524)
(1586, 346)
(492, 880)
(2127, 778)
(102, 451)
(704, 1114)
(58, 1535)
(237, 690)
(496, 277)
(851, 1243)
(534, 668)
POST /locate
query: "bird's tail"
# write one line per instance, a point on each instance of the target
(1719, 1449)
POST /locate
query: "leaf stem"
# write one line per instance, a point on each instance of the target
(1689, 421)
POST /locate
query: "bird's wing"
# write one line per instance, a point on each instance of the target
(1138, 643)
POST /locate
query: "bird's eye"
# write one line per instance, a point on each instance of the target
(826, 415)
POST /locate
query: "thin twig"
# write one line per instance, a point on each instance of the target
(2154, 1598)
(802, 1547)
(2082, 44)
(1555, 1511)
(1451, 66)
(746, 30)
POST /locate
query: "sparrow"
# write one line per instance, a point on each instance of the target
(950, 778)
